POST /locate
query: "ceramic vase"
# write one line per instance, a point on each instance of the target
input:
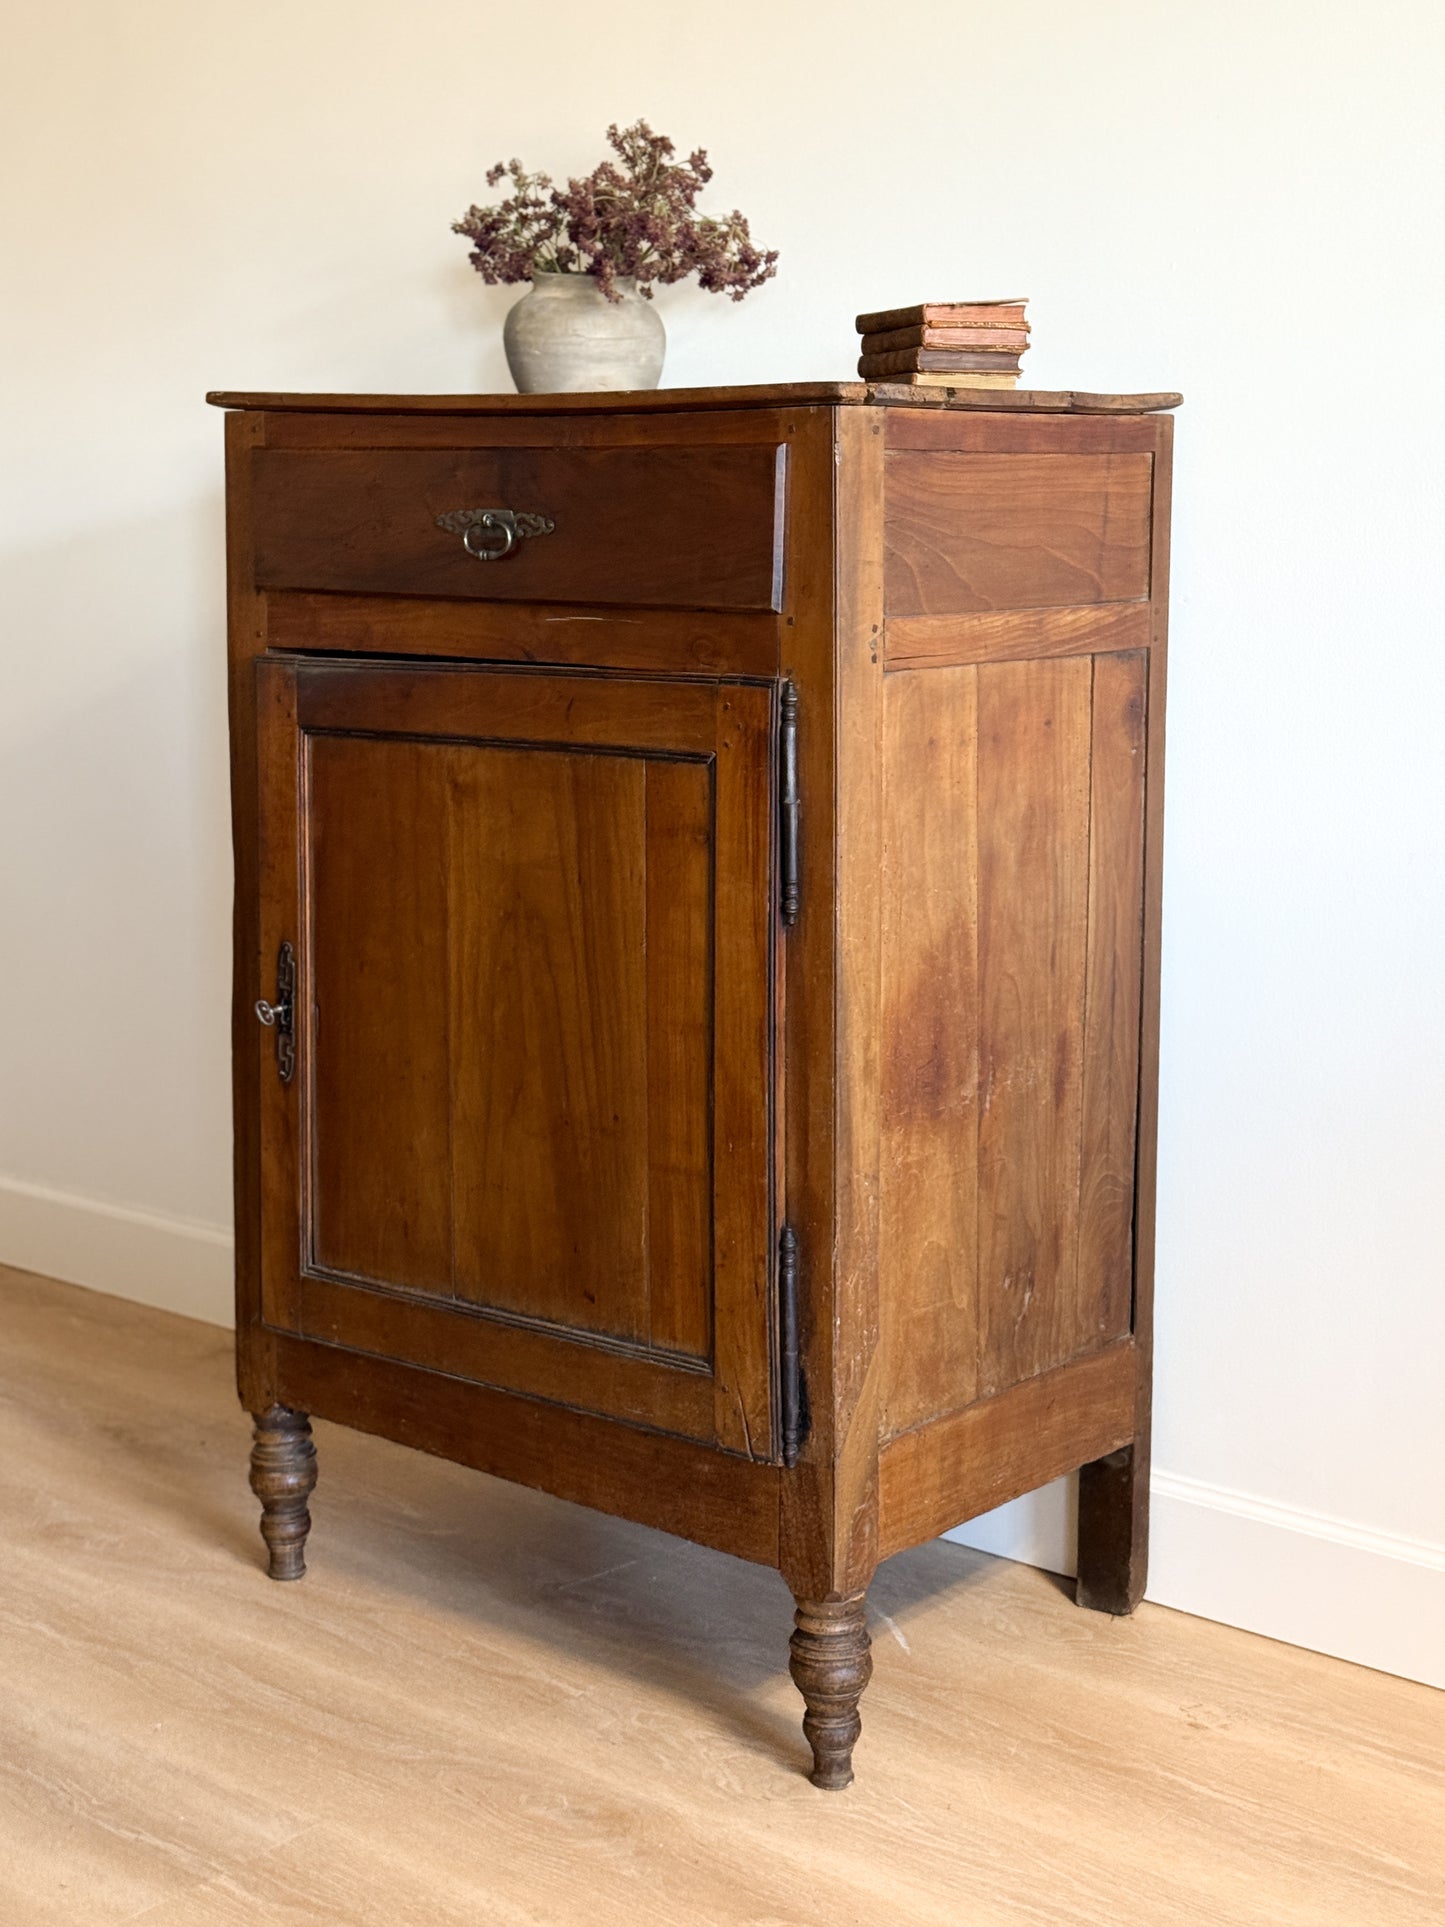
(564, 336)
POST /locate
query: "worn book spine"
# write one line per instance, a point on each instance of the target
(945, 314)
(940, 361)
(894, 338)
(947, 381)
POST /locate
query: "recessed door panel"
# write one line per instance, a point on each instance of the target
(379, 1094)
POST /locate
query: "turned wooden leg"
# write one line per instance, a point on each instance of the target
(831, 1663)
(283, 1474)
(1114, 1530)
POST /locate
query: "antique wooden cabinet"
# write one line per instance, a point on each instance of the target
(697, 901)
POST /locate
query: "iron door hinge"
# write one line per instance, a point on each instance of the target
(789, 805)
(794, 1401)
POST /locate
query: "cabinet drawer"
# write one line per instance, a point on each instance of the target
(660, 527)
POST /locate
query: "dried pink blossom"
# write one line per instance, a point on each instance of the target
(637, 220)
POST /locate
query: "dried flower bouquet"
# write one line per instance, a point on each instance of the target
(634, 218)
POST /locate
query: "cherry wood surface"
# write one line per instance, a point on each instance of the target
(1015, 635)
(714, 1498)
(1015, 531)
(532, 952)
(795, 1199)
(682, 527)
(735, 423)
(991, 1450)
(689, 400)
(1012, 942)
(969, 430)
(569, 635)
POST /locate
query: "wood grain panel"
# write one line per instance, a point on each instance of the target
(513, 1354)
(857, 829)
(980, 532)
(940, 1474)
(549, 1035)
(679, 953)
(1015, 635)
(1033, 831)
(655, 641)
(677, 527)
(1111, 1000)
(820, 1516)
(380, 1110)
(537, 428)
(605, 404)
(1006, 403)
(928, 1177)
(692, 1490)
(507, 706)
(961, 431)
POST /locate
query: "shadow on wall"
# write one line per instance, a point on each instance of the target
(114, 852)
(438, 322)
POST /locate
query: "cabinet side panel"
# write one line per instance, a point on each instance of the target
(929, 1159)
(1033, 831)
(1013, 823)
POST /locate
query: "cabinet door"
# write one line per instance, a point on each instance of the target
(526, 1139)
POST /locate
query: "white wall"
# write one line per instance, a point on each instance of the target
(1241, 201)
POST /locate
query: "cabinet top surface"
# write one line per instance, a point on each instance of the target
(790, 394)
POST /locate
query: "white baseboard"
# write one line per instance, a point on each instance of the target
(1374, 1597)
(1302, 1577)
(174, 1264)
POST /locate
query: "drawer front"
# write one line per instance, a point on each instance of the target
(660, 527)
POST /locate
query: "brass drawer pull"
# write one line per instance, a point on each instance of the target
(476, 527)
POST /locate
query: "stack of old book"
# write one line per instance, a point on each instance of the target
(945, 344)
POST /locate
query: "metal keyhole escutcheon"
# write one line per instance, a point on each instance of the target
(281, 1016)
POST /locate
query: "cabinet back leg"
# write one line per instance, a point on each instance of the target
(283, 1475)
(831, 1662)
(1114, 1530)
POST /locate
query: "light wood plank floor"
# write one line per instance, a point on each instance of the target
(485, 1706)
